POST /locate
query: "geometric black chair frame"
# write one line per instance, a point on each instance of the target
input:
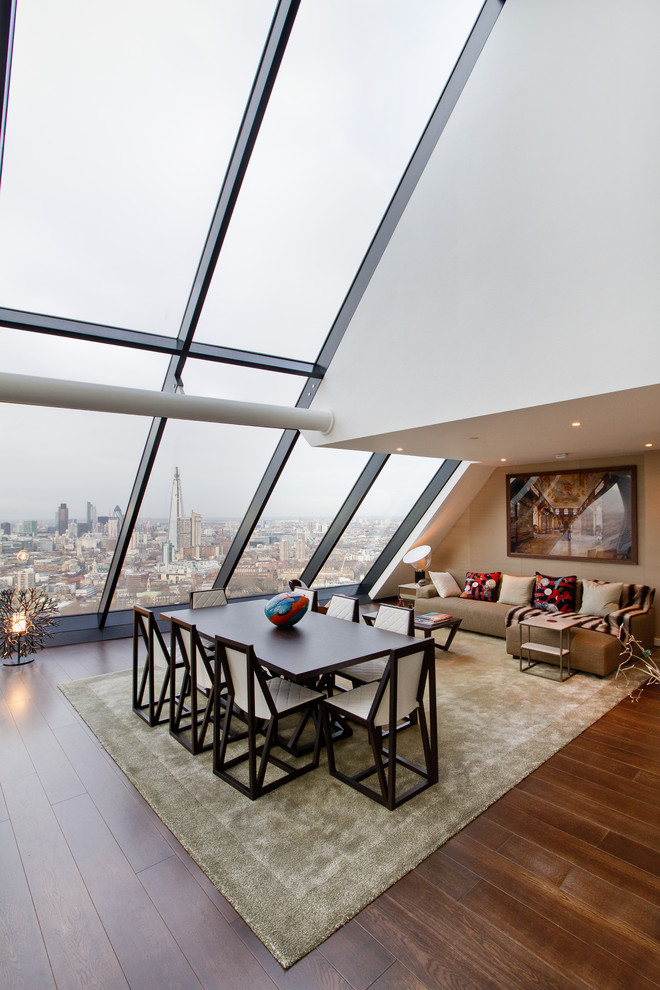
(151, 679)
(261, 701)
(377, 708)
(190, 717)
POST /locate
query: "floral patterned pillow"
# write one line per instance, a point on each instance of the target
(481, 587)
(554, 594)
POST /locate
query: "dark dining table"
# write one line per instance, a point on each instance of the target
(316, 645)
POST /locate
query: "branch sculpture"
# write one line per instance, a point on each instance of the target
(38, 610)
(637, 658)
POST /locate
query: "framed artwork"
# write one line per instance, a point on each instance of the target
(574, 515)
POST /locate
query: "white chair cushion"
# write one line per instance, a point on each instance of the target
(356, 702)
(287, 694)
(370, 670)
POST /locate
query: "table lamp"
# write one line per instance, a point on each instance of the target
(420, 559)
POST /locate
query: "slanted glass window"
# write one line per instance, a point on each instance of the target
(310, 492)
(203, 479)
(67, 477)
(390, 498)
(122, 117)
(356, 88)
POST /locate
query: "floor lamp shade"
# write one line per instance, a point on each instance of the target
(420, 559)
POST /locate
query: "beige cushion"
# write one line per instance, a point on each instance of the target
(600, 597)
(516, 590)
(445, 584)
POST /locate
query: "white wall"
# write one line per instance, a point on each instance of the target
(524, 270)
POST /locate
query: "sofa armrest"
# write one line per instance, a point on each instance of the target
(640, 623)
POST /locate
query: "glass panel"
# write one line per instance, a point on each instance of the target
(312, 489)
(67, 477)
(391, 497)
(27, 353)
(357, 86)
(202, 482)
(121, 121)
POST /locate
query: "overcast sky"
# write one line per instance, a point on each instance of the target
(121, 120)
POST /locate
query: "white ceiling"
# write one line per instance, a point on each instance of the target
(616, 424)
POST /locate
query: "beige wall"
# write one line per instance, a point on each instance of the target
(478, 541)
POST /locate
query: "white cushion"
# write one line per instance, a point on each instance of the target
(445, 584)
(600, 597)
(516, 590)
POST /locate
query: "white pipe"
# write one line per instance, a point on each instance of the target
(31, 391)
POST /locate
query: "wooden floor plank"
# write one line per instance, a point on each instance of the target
(128, 816)
(606, 779)
(576, 851)
(58, 778)
(606, 754)
(635, 912)
(313, 970)
(545, 800)
(80, 952)
(499, 956)
(126, 911)
(24, 961)
(601, 794)
(605, 935)
(558, 947)
(196, 925)
(356, 956)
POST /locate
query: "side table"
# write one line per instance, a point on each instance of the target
(561, 652)
(408, 594)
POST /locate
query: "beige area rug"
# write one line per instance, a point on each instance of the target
(301, 861)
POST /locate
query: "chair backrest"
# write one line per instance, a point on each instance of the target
(396, 619)
(407, 668)
(145, 625)
(297, 585)
(208, 599)
(186, 640)
(341, 607)
(244, 678)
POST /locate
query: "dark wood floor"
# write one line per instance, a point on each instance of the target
(557, 885)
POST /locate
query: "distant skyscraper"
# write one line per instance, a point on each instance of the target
(62, 518)
(92, 520)
(176, 509)
(195, 529)
(183, 533)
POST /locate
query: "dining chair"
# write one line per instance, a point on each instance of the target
(342, 607)
(393, 618)
(379, 705)
(263, 701)
(151, 668)
(312, 593)
(191, 709)
(208, 598)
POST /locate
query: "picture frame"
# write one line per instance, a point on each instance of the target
(587, 514)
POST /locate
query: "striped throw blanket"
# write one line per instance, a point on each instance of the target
(635, 598)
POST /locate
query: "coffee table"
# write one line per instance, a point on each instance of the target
(370, 612)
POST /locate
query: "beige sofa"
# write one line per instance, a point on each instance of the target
(595, 652)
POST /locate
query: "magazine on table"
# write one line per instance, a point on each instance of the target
(433, 618)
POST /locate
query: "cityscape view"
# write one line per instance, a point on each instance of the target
(169, 557)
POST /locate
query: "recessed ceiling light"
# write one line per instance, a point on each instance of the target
(576, 423)
(399, 449)
(503, 459)
(648, 444)
(474, 438)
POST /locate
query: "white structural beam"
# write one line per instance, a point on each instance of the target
(33, 391)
